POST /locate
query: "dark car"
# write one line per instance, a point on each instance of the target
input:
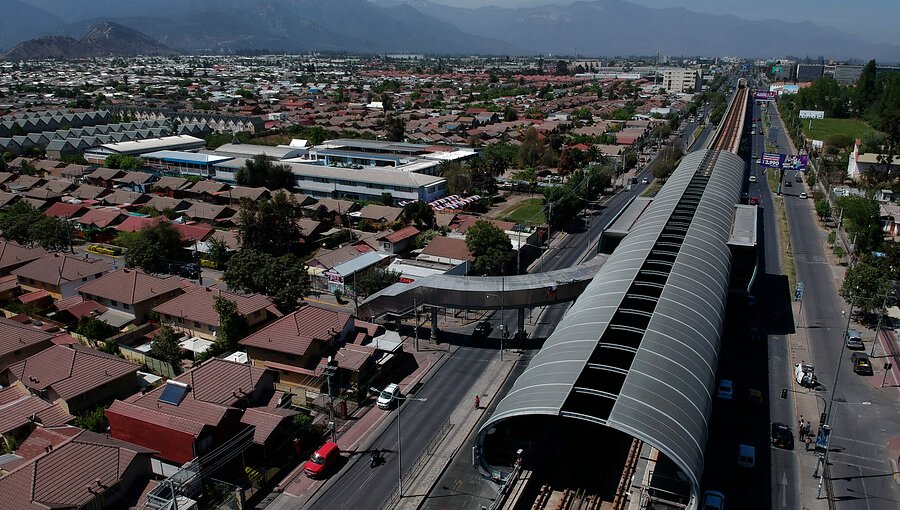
(788, 184)
(861, 363)
(482, 329)
(782, 436)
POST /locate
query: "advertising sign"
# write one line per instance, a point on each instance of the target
(818, 144)
(812, 114)
(764, 95)
(795, 162)
(772, 160)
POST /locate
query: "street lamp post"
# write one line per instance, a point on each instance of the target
(502, 316)
(829, 412)
(399, 447)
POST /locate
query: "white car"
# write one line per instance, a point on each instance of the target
(713, 500)
(388, 397)
(752, 178)
(725, 391)
(645, 181)
(802, 195)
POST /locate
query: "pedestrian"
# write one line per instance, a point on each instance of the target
(477, 402)
(800, 426)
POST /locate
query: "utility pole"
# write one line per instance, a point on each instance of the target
(329, 372)
(416, 322)
(502, 316)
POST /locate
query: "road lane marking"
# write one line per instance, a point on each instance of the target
(842, 438)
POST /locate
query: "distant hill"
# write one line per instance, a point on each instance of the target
(102, 40)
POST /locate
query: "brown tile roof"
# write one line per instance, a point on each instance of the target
(172, 183)
(124, 197)
(17, 407)
(161, 203)
(400, 235)
(106, 174)
(74, 474)
(329, 258)
(465, 222)
(135, 223)
(208, 186)
(448, 247)
(12, 254)
(8, 198)
(70, 371)
(198, 305)
(352, 357)
(229, 237)
(335, 205)
(130, 286)
(59, 185)
(102, 217)
(239, 192)
(41, 438)
(308, 226)
(295, 332)
(135, 178)
(376, 212)
(266, 420)
(15, 336)
(88, 192)
(210, 212)
(57, 268)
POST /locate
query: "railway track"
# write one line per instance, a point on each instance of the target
(728, 136)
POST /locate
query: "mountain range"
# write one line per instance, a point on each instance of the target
(587, 28)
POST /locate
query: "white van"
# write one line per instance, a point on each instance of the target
(746, 456)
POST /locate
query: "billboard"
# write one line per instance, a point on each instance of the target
(772, 159)
(812, 114)
(795, 162)
(764, 95)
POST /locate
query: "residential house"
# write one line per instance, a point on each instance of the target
(101, 218)
(140, 182)
(76, 377)
(21, 413)
(197, 411)
(104, 177)
(194, 312)
(88, 192)
(8, 199)
(447, 250)
(310, 229)
(121, 197)
(66, 210)
(161, 203)
(209, 213)
(206, 189)
(73, 468)
(60, 274)
(171, 186)
(132, 291)
(19, 341)
(234, 195)
(379, 213)
(398, 241)
(13, 256)
(293, 345)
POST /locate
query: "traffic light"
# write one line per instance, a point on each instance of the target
(783, 393)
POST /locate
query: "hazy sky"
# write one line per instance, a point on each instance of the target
(873, 20)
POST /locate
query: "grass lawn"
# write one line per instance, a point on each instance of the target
(526, 212)
(823, 128)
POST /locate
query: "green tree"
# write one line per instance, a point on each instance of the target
(261, 172)
(285, 278)
(419, 214)
(165, 347)
(458, 176)
(52, 234)
(865, 285)
(153, 246)
(864, 95)
(270, 225)
(93, 420)
(387, 199)
(17, 223)
(27, 168)
(375, 280)
(489, 245)
(94, 328)
(861, 219)
(394, 128)
(123, 162)
(531, 152)
(823, 208)
(218, 252)
(231, 325)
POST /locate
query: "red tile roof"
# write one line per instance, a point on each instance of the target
(85, 309)
(33, 296)
(193, 231)
(448, 247)
(70, 370)
(135, 223)
(15, 336)
(400, 235)
(65, 210)
(198, 305)
(17, 407)
(56, 269)
(41, 438)
(130, 286)
(295, 332)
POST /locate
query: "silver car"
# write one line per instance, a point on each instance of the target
(854, 340)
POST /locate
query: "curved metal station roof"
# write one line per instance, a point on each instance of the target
(638, 350)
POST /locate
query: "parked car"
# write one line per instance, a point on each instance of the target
(388, 396)
(713, 500)
(782, 435)
(798, 178)
(788, 184)
(746, 456)
(854, 339)
(482, 329)
(752, 178)
(645, 181)
(754, 201)
(861, 364)
(725, 391)
(322, 460)
(802, 195)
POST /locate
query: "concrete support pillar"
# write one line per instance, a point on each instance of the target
(434, 323)
(520, 323)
